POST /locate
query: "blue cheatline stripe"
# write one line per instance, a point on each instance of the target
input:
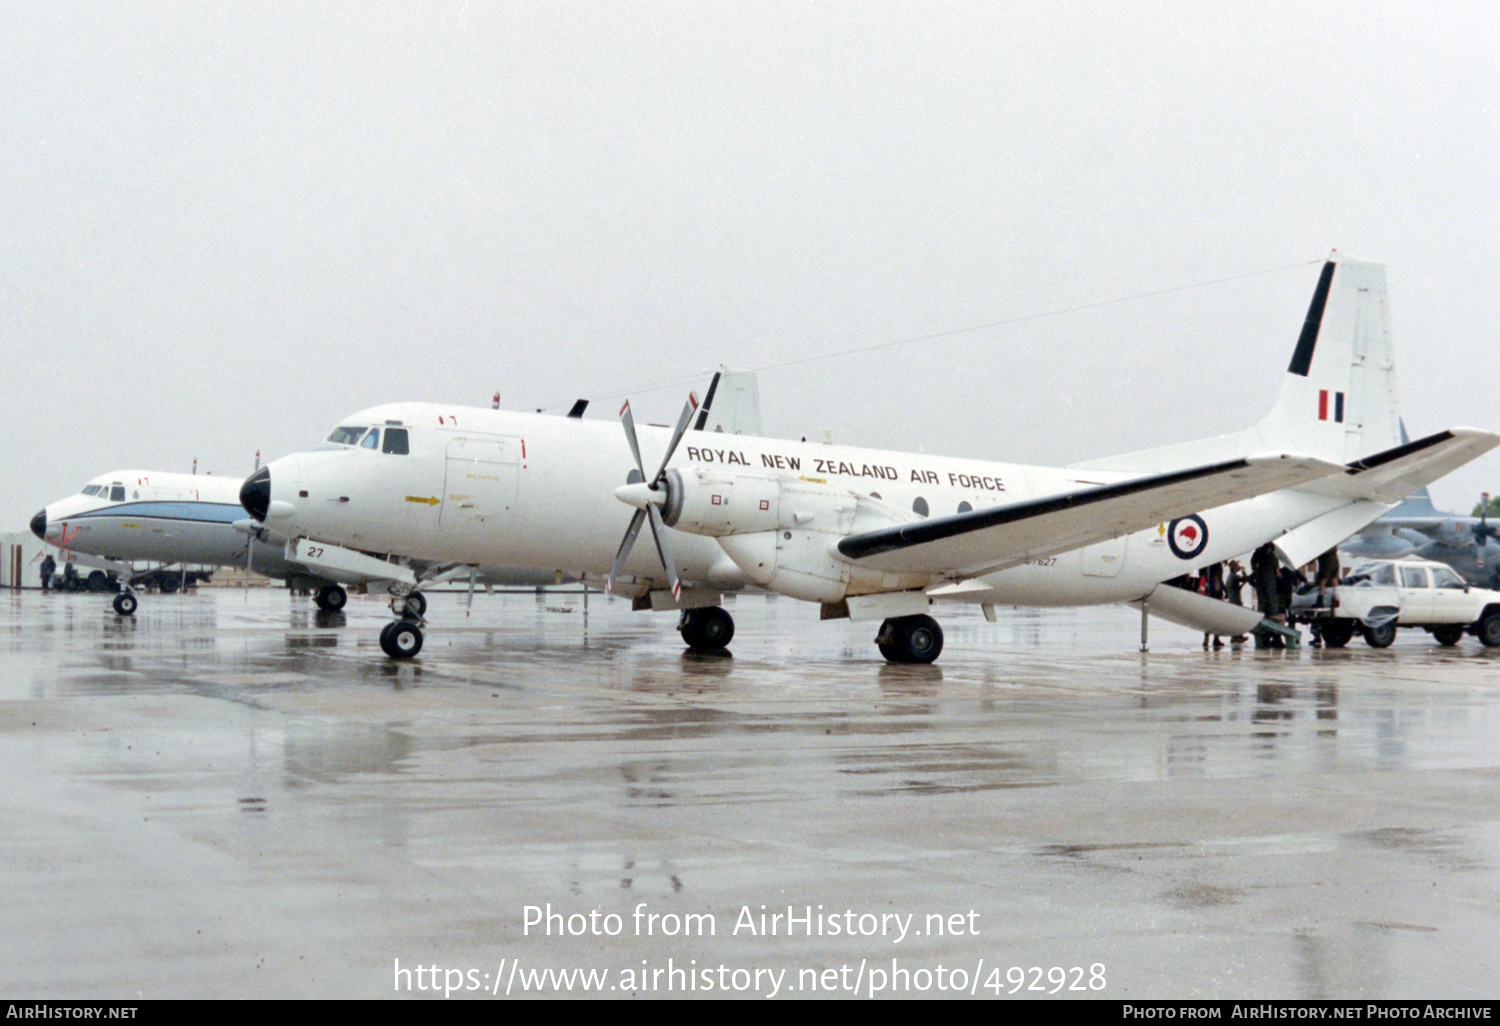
(200, 512)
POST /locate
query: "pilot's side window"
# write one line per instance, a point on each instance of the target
(372, 439)
(396, 442)
(117, 493)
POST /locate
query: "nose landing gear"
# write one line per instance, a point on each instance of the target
(401, 639)
(331, 598)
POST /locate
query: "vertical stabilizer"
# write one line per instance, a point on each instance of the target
(1338, 396)
(732, 405)
(1338, 399)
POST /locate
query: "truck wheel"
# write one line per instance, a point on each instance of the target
(1382, 636)
(168, 584)
(1337, 633)
(1448, 635)
(98, 580)
(1487, 629)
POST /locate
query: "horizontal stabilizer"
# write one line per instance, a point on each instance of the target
(997, 537)
(1389, 475)
(1199, 612)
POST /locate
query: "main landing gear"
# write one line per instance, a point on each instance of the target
(706, 629)
(331, 598)
(910, 639)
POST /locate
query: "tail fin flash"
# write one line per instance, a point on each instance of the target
(1338, 399)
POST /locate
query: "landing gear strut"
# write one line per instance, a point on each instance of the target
(331, 598)
(401, 639)
(706, 629)
(910, 639)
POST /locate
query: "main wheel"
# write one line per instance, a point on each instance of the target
(1337, 633)
(415, 606)
(125, 604)
(331, 598)
(1380, 637)
(910, 639)
(401, 639)
(1448, 635)
(1487, 629)
(706, 629)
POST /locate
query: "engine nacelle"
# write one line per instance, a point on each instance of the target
(783, 532)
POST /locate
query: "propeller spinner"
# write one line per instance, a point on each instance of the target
(649, 495)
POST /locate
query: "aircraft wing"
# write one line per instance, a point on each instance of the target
(990, 539)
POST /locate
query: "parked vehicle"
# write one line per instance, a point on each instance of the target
(1380, 596)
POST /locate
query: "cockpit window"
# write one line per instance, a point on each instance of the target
(92, 489)
(372, 440)
(117, 493)
(396, 442)
(346, 435)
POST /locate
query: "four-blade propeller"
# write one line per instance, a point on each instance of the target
(649, 495)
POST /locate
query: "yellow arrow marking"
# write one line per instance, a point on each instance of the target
(431, 500)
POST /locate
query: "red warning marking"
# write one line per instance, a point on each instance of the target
(1322, 404)
(765, 503)
(625, 407)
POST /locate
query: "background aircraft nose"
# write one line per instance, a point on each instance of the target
(255, 493)
(39, 525)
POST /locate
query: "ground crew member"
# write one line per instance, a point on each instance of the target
(49, 566)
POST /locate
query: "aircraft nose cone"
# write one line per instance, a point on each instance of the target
(39, 525)
(255, 493)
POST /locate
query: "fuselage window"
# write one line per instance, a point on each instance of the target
(117, 493)
(346, 435)
(919, 507)
(964, 507)
(372, 440)
(92, 489)
(396, 442)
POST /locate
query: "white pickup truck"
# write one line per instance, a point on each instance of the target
(1381, 595)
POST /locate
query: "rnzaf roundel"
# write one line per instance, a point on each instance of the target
(1188, 537)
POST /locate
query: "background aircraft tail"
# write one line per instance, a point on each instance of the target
(1338, 396)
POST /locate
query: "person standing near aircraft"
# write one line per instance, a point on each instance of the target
(1264, 566)
(49, 567)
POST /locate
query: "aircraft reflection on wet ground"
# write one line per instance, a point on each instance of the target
(1232, 823)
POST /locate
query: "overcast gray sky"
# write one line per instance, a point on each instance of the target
(226, 225)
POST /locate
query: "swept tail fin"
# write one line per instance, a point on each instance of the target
(1338, 396)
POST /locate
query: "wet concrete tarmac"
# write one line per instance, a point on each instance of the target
(234, 795)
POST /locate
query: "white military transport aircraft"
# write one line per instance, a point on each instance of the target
(868, 534)
(155, 516)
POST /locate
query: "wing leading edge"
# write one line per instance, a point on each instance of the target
(990, 539)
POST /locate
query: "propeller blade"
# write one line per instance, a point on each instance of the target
(625, 546)
(689, 408)
(658, 531)
(635, 446)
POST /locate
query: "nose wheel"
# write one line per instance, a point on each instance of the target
(401, 639)
(125, 603)
(910, 639)
(707, 629)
